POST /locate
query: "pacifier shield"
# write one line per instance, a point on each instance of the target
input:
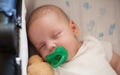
(58, 57)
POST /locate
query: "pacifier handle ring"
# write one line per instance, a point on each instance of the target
(59, 51)
(60, 62)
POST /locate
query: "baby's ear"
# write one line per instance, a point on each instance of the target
(74, 28)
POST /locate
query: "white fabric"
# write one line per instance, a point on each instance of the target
(91, 59)
(23, 54)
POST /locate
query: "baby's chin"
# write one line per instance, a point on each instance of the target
(69, 59)
(44, 59)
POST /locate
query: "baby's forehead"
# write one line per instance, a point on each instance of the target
(43, 11)
(47, 10)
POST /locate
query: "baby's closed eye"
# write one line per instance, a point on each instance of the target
(56, 35)
(42, 45)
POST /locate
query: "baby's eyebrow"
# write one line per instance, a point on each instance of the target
(56, 30)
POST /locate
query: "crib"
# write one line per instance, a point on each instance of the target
(99, 18)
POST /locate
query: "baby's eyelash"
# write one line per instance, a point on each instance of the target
(56, 35)
(42, 45)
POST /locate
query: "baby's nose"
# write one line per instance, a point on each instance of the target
(51, 46)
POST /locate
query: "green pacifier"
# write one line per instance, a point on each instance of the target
(58, 57)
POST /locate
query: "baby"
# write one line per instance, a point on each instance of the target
(48, 27)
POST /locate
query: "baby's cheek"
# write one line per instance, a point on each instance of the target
(43, 55)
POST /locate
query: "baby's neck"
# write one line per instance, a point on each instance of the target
(80, 44)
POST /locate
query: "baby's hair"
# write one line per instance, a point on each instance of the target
(45, 9)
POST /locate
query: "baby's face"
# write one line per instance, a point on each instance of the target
(46, 33)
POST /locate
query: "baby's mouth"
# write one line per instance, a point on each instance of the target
(58, 57)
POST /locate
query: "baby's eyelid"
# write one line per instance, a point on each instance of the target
(55, 35)
(41, 45)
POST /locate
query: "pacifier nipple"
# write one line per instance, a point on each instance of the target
(58, 57)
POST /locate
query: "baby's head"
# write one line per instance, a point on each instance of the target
(49, 27)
